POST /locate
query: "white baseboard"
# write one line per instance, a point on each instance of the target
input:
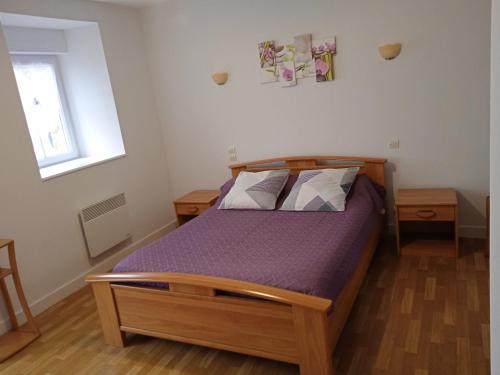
(78, 282)
(467, 231)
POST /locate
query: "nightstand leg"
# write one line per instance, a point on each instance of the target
(397, 232)
(457, 236)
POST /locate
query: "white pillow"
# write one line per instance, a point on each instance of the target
(320, 190)
(255, 190)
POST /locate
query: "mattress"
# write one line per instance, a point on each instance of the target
(309, 252)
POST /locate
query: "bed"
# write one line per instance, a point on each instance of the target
(273, 284)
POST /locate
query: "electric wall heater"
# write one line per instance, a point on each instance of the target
(105, 224)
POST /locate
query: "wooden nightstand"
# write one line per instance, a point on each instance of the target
(434, 215)
(194, 204)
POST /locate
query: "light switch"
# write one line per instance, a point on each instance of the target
(231, 154)
(393, 144)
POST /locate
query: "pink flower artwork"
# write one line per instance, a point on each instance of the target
(321, 67)
(285, 59)
(323, 52)
(331, 47)
(304, 61)
(268, 54)
(287, 74)
(267, 57)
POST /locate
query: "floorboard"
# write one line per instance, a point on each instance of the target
(414, 315)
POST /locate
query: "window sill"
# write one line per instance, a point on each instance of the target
(71, 166)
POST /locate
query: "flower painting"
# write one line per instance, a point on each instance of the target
(285, 62)
(304, 62)
(323, 52)
(267, 55)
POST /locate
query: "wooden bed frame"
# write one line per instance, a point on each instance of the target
(276, 323)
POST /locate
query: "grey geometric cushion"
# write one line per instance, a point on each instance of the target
(320, 190)
(255, 191)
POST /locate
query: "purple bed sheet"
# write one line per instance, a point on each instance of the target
(308, 252)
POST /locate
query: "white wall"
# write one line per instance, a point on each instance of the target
(434, 97)
(495, 190)
(42, 216)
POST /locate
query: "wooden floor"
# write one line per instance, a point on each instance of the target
(414, 315)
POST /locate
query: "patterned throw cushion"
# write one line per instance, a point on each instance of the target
(255, 191)
(320, 190)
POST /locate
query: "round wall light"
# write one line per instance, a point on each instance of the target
(389, 51)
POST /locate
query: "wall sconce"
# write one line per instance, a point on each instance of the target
(389, 51)
(220, 78)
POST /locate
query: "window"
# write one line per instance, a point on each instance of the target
(46, 109)
(65, 91)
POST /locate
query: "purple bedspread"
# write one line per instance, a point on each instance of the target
(309, 252)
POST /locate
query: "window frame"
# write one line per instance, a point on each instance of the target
(52, 59)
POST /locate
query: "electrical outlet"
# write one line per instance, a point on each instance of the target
(231, 154)
(393, 144)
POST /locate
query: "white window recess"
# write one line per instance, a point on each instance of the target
(65, 90)
(105, 224)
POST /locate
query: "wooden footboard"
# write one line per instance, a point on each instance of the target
(274, 323)
(194, 310)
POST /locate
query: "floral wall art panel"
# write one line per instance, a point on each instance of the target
(306, 57)
(323, 51)
(285, 61)
(304, 61)
(267, 56)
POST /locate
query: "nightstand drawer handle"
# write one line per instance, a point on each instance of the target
(193, 209)
(426, 214)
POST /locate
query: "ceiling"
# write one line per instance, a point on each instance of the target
(133, 3)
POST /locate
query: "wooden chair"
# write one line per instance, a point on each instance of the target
(19, 337)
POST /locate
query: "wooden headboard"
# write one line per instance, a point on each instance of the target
(373, 167)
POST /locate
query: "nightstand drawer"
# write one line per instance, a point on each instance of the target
(427, 213)
(191, 209)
